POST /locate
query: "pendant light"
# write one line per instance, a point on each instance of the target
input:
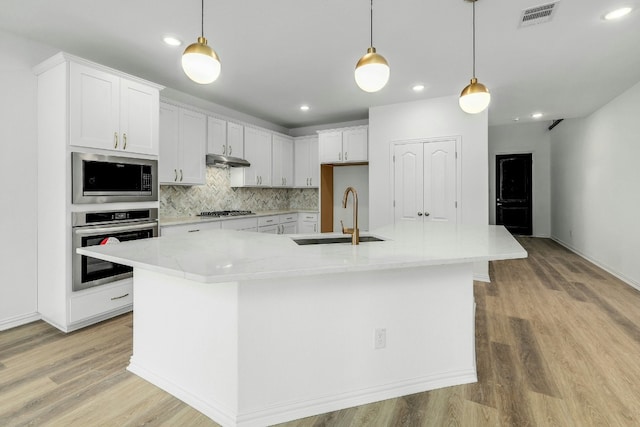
(199, 62)
(372, 70)
(474, 98)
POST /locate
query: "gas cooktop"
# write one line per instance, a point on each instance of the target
(226, 213)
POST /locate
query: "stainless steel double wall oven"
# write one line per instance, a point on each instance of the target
(102, 180)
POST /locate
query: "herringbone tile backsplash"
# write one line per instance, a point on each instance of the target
(217, 194)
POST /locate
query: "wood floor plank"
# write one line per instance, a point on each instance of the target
(557, 344)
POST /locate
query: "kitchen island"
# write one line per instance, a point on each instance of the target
(252, 329)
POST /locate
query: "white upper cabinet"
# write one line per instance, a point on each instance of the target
(349, 145)
(306, 164)
(257, 151)
(183, 135)
(111, 112)
(282, 161)
(225, 138)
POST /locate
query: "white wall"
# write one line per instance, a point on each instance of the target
(428, 119)
(520, 138)
(358, 178)
(595, 171)
(18, 174)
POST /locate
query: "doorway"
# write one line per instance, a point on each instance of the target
(514, 207)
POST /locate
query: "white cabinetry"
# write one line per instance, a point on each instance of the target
(269, 224)
(257, 151)
(282, 161)
(244, 224)
(171, 230)
(307, 223)
(111, 112)
(348, 145)
(183, 136)
(288, 223)
(306, 164)
(225, 138)
(83, 104)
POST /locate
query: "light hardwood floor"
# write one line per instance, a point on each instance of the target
(558, 344)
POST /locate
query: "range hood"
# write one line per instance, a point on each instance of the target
(220, 161)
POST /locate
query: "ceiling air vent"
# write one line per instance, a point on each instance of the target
(538, 14)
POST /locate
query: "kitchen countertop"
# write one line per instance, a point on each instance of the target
(183, 220)
(227, 255)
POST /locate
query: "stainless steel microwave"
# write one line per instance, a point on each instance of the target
(98, 178)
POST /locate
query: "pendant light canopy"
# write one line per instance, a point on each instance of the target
(372, 70)
(474, 98)
(199, 62)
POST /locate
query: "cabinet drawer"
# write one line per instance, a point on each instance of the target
(99, 301)
(288, 218)
(267, 220)
(239, 224)
(313, 217)
(170, 230)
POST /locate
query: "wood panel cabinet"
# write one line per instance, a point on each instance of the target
(257, 151)
(348, 145)
(183, 136)
(225, 138)
(282, 161)
(306, 164)
(110, 112)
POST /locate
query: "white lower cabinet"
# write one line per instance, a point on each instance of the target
(171, 230)
(307, 223)
(288, 223)
(100, 300)
(244, 224)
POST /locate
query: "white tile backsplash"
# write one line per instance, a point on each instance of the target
(217, 194)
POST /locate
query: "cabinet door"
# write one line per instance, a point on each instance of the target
(138, 117)
(193, 138)
(271, 229)
(277, 147)
(287, 162)
(216, 136)
(258, 153)
(301, 162)
(169, 143)
(307, 227)
(289, 228)
(94, 98)
(408, 182)
(235, 140)
(354, 145)
(330, 147)
(314, 163)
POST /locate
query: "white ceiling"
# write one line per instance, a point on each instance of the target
(279, 54)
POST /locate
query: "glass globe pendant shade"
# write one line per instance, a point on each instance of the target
(201, 63)
(475, 98)
(372, 71)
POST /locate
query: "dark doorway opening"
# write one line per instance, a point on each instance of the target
(513, 193)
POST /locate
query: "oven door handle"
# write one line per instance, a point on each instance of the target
(84, 231)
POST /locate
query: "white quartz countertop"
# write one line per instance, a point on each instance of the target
(229, 255)
(183, 220)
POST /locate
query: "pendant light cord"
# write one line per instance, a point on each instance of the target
(371, 25)
(474, 38)
(202, 20)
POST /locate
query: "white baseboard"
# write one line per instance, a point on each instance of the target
(227, 417)
(606, 268)
(15, 321)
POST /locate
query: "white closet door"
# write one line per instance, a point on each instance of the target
(440, 181)
(408, 182)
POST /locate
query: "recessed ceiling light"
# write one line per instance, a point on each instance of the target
(618, 13)
(171, 41)
(536, 115)
(304, 108)
(516, 119)
(418, 88)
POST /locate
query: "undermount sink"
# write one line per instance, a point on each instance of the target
(329, 240)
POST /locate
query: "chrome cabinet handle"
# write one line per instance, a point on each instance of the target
(345, 156)
(230, 150)
(310, 181)
(419, 213)
(224, 149)
(124, 140)
(181, 175)
(315, 227)
(339, 156)
(193, 231)
(115, 140)
(427, 214)
(120, 297)
(175, 171)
